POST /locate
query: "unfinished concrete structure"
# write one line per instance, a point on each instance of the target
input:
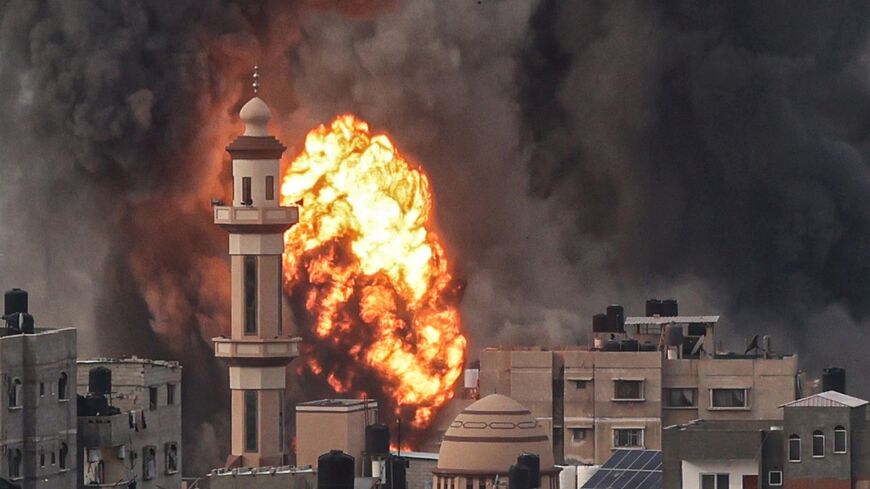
(333, 424)
(258, 350)
(38, 417)
(641, 373)
(129, 423)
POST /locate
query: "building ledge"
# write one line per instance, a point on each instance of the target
(257, 348)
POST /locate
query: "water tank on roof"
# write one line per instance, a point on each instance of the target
(834, 379)
(648, 346)
(629, 345)
(674, 335)
(377, 439)
(599, 323)
(669, 308)
(519, 477)
(15, 301)
(532, 462)
(611, 345)
(20, 322)
(397, 468)
(653, 307)
(100, 381)
(335, 470)
(615, 318)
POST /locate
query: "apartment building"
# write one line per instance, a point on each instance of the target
(129, 423)
(638, 375)
(38, 414)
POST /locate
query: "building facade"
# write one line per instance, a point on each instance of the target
(38, 414)
(129, 423)
(333, 424)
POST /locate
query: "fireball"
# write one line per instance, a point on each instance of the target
(370, 270)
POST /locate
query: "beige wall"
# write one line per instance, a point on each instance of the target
(317, 432)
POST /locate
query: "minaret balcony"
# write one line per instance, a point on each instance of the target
(271, 350)
(261, 220)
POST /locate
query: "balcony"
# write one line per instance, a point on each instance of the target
(104, 431)
(257, 348)
(261, 220)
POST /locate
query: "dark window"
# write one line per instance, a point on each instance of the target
(680, 397)
(64, 454)
(42, 389)
(42, 459)
(794, 448)
(580, 384)
(774, 478)
(729, 398)
(246, 191)
(149, 463)
(152, 398)
(62, 386)
(250, 421)
(714, 481)
(170, 394)
(281, 423)
(628, 389)
(818, 444)
(15, 393)
(171, 457)
(578, 435)
(270, 187)
(53, 458)
(628, 438)
(250, 273)
(839, 439)
(14, 461)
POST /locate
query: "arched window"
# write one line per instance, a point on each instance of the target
(62, 386)
(840, 439)
(15, 399)
(794, 448)
(64, 455)
(818, 444)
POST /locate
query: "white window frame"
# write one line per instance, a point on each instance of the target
(642, 397)
(715, 479)
(747, 405)
(625, 428)
(799, 450)
(770, 478)
(667, 398)
(845, 433)
(822, 436)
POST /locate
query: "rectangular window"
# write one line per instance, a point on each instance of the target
(250, 278)
(149, 463)
(729, 398)
(839, 440)
(281, 423)
(246, 191)
(680, 397)
(270, 187)
(170, 394)
(250, 421)
(628, 390)
(794, 449)
(715, 481)
(580, 384)
(42, 389)
(774, 478)
(578, 435)
(628, 438)
(171, 454)
(152, 398)
(818, 445)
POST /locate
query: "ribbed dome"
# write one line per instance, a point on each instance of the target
(255, 114)
(487, 437)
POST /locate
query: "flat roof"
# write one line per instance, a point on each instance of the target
(130, 360)
(827, 399)
(727, 425)
(636, 320)
(337, 405)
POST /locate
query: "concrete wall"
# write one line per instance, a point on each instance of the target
(318, 432)
(419, 473)
(803, 421)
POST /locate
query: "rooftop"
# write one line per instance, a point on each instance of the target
(134, 360)
(828, 399)
(727, 425)
(670, 320)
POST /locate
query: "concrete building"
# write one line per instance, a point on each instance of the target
(484, 441)
(258, 350)
(333, 424)
(38, 417)
(129, 423)
(284, 477)
(821, 442)
(641, 373)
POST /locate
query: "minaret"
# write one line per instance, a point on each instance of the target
(257, 350)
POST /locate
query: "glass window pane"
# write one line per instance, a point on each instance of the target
(794, 449)
(251, 421)
(818, 445)
(840, 441)
(722, 481)
(708, 481)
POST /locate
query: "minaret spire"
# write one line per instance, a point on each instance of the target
(256, 83)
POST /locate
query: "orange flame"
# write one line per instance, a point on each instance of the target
(369, 268)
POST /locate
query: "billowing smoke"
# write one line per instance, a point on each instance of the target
(581, 153)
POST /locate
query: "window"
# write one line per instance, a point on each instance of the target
(14, 462)
(715, 481)
(580, 384)
(839, 439)
(680, 397)
(170, 394)
(281, 423)
(250, 294)
(42, 459)
(171, 457)
(628, 390)
(628, 438)
(152, 398)
(578, 435)
(246, 191)
(794, 448)
(149, 464)
(729, 398)
(250, 421)
(774, 478)
(15, 399)
(270, 187)
(62, 382)
(818, 444)
(53, 458)
(64, 455)
(42, 389)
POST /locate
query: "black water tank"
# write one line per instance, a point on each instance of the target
(611, 345)
(15, 301)
(519, 477)
(377, 439)
(335, 470)
(396, 473)
(599, 323)
(21, 322)
(834, 379)
(96, 405)
(629, 345)
(697, 329)
(669, 308)
(648, 346)
(674, 336)
(100, 381)
(532, 462)
(653, 307)
(615, 318)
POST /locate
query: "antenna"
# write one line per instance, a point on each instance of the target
(256, 83)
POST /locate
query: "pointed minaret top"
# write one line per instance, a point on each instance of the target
(255, 114)
(256, 83)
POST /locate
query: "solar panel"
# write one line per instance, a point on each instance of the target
(629, 469)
